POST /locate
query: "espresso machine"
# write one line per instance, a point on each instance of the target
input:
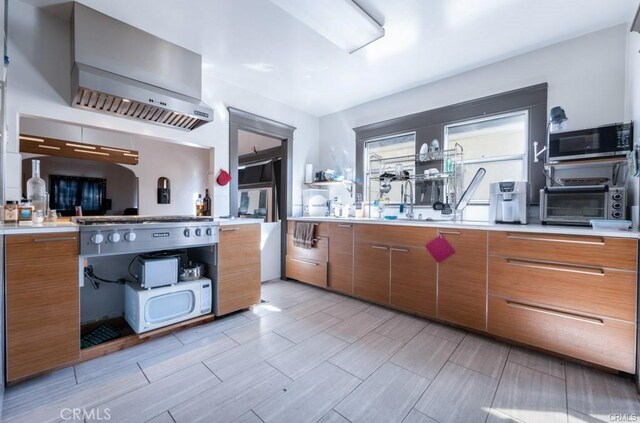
(508, 202)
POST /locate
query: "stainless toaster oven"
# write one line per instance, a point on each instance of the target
(577, 205)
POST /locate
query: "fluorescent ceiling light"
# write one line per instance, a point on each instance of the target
(342, 22)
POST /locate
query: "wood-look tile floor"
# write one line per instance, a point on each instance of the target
(308, 355)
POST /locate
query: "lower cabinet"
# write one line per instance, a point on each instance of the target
(571, 294)
(580, 301)
(372, 268)
(392, 266)
(462, 279)
(340, 276)
(413, 280)
(42, 303)
(238, 285)
(309, 265)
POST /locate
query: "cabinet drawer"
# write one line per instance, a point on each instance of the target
(318, 252)
(394, 235)
(308, 271)
(321, 228)
(607, 342)
(619, 253)
(593, 290)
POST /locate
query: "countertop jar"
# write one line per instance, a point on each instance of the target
(11, 212)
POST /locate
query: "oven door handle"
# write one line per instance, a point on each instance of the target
(589, 189)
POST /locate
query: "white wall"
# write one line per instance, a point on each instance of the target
(585, 75)
(39, 86)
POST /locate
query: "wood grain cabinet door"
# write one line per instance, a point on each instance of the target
(238, 268)
(341, 257)
(413, 280)
(43, 303)
(462, 279)
(371, 272)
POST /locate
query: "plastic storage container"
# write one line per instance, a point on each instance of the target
(610, 225)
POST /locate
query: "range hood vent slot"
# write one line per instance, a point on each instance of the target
(104, 80)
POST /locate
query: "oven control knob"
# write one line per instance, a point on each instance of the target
(198, 232)
(187, 233)
(130, 236)
(114, 237)
(617, 197)
(97, 239)
(616, 205)
(616, 215)
(208, 232)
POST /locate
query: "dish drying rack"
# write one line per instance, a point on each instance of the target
(448, 163)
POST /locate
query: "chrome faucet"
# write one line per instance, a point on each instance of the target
(408, 194)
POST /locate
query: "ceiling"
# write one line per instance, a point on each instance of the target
(256, 45)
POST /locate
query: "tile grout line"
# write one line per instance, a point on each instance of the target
(337, 412)
(504, 366)
(143, 373)
(537, 370)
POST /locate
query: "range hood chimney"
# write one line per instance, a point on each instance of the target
(121, 70)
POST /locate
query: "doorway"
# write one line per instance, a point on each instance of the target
(259, 182)
(259, 146)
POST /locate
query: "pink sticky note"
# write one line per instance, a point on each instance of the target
(440, 249)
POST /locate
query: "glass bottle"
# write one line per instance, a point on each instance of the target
(199, 206)
(37, 189)
(206, 202)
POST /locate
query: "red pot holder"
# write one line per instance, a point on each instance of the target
(223, 178)
(440, 249)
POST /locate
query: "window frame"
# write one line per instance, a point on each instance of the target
(367, 176)
(429, 124)
(495, 159)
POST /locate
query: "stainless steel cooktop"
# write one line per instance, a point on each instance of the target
(108, 235)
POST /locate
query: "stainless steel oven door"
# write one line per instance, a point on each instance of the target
(573, 205)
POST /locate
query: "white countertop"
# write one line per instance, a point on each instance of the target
(66, 226)
(224, 221)
(481, 225)
(38, 228)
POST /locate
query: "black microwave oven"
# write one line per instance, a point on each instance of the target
(603, 141)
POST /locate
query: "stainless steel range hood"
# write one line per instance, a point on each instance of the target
(121, 70)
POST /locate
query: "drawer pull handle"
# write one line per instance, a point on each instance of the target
(305, 262)
(449, 233)
(570, 241)
(379, 247)
(400, 250)
(228, 229)
(345, 226)
(553, 312)
(67, 238)
(557, 267)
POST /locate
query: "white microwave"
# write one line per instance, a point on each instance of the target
(149, 309)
